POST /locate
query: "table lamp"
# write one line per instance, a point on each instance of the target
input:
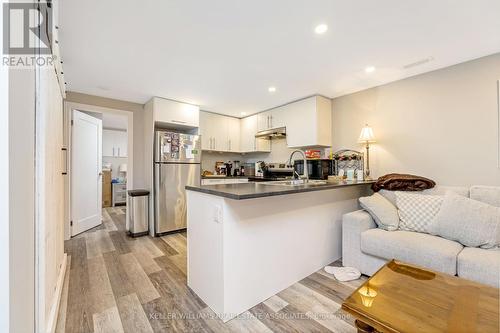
(122, 168)
(367, 137)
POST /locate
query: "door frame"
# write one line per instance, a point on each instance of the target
(68, 111)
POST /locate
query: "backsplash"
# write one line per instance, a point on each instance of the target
(279, 153)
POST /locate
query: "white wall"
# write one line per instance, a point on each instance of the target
(115, 162)
(4, 192)
(22, 198)
(442, 124)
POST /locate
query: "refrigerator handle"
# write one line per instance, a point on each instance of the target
(157, 181)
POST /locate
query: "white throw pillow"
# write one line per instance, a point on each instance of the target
(382, 210)
(470, 222)
(416, 211)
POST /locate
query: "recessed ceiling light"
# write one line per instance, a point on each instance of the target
(370, 69)
(243, 113)
(321, 29)
(271, 89)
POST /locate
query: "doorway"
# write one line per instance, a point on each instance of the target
(91, 186)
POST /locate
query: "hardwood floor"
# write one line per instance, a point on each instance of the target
(118, 284)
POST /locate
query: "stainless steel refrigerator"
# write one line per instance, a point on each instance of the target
(176, 164)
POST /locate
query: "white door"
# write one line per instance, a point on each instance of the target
(86, 172)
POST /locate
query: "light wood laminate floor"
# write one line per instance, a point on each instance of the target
(118, 284)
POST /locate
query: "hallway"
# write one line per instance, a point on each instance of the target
(119, 284)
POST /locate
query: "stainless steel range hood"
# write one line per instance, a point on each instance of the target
(273, 133)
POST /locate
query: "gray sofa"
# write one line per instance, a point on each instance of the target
(368, 248)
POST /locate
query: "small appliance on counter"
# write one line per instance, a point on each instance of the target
(229, 167)
(272, 172)
(258, 169)
(237, 170)
(220, 168)
(317, 168)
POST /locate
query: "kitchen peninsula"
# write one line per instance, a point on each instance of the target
(247, 242)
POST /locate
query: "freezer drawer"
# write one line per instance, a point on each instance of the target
(170, 194)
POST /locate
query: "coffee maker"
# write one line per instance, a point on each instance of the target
(228, 166)
(237, 170)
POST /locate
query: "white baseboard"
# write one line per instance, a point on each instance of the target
(56, 300)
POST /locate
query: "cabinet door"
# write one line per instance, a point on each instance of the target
(121, 143)
(108, 139)
(301, 128)
(248, 128)
(220, 127)
(277, 117)
(172, 112)
(264, 120)
(206, 132)
(233, 134)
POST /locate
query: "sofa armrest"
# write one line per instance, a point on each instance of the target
(353, 224)
(358, 221)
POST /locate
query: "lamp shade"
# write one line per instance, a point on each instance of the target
(123, 168)
(366, 134)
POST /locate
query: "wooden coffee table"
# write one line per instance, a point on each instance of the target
(406, 298)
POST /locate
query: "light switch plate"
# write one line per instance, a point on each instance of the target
(218, 213)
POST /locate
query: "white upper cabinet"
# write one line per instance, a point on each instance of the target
(271, 119)
(114, 143)
(248, 143)
(175, 113)
(208, 130)
(309, 122)
(219, 133)
(233, 134)
(263, 121)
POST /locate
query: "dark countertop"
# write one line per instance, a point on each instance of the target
(259, 190)
(224, 177)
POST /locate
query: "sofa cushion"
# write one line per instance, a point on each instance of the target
(470, 222)
(383, 212)
(412, 247)
(480, 265)
(437, 190)
(416, 211)
(486, 194)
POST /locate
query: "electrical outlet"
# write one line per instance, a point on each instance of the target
(217, 214)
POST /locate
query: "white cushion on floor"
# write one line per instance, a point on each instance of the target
(412, 247)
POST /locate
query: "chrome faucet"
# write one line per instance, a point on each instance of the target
(306, 171)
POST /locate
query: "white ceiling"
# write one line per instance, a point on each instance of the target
(224, 54)
(114, 121)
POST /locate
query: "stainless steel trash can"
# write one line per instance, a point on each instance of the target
(138, 203)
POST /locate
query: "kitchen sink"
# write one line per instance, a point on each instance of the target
(296, 182)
